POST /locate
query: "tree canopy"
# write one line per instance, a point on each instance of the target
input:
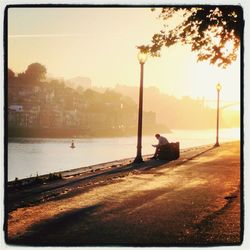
(11, 74)
(34, 72)
(214, 32)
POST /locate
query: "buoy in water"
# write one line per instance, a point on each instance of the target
(72, 144)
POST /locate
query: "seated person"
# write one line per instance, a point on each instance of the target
(162, 141)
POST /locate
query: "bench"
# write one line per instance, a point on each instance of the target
(170, 151)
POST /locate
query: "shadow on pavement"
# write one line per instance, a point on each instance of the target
(53, 232)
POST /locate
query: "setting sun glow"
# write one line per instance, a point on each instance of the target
(87, 42)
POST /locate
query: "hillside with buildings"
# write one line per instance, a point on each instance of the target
(184, 112)
(43, 107)
(51, 109)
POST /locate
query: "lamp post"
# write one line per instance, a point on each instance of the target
(218, 88)
(142, 57)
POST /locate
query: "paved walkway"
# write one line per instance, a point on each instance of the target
(192, 201)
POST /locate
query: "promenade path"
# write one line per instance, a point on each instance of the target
(192, 201)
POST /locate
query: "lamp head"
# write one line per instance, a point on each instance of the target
(142, 57)
(218, 87)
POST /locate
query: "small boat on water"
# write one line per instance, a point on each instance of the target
(72, 144)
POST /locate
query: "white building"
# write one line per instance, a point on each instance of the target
(15, 107)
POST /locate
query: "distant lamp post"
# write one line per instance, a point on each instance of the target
(142, 57)
(218, 88)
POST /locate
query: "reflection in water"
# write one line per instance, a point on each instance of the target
(28, 157)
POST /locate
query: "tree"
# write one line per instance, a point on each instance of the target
(79, 89)
(35, 72)
(112, 97)
(22, 76)
(11, 75)
(214, 32)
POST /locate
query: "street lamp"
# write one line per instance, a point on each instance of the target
(218, 88)
(142, 57)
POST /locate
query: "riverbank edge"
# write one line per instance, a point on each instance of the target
(49, 177)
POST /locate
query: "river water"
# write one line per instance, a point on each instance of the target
(29, 157)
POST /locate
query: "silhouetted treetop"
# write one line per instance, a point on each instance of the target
(35, 72)
(11, 74)
(214, 32)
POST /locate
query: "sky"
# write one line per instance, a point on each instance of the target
(100, 43)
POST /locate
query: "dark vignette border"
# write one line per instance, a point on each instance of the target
(5, 42)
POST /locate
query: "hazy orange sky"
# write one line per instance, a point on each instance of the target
(100, 43)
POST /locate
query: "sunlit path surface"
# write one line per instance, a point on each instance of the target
(191, 203)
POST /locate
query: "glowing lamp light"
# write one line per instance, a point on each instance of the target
(142, 57)
(218, 87)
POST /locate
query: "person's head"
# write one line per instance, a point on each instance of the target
(157, 136)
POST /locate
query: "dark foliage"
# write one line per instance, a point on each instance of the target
(213, 32)
(34, 72)
(11, 74)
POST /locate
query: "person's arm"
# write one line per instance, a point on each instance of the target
(157, 145)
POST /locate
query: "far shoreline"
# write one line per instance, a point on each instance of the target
(80, 133)
(102, 136)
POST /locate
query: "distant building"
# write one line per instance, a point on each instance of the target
(22, 119)
(16, 108)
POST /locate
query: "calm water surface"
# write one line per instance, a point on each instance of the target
(28, 157)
